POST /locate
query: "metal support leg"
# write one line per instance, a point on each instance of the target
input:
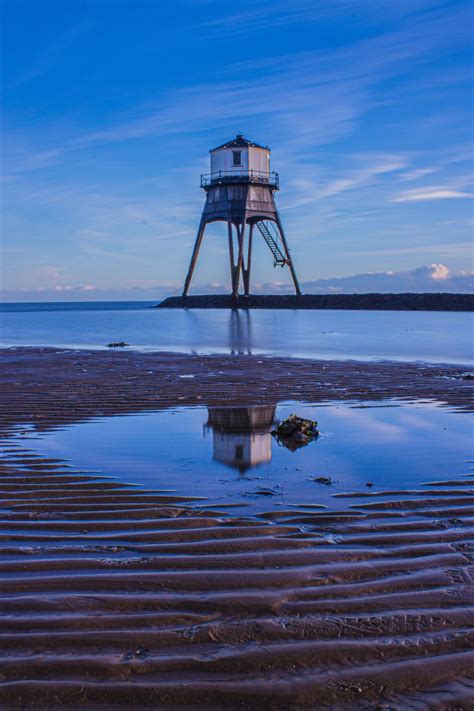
(240, 258)
(288, 256)
(231, 253)
(246, 272)
(197, 246)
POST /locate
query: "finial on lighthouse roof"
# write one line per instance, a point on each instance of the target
(240, 142)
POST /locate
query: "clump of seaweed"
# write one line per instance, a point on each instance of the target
(295, 432)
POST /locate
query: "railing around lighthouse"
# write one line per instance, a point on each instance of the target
(240, 176)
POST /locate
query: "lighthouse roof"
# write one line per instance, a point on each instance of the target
(239, 142)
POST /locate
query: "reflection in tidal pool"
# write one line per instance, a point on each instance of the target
(241, 435)
(228, 456)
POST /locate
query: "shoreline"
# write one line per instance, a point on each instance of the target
(114, 595)
(226, 353)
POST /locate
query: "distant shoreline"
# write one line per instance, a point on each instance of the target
(365, 302)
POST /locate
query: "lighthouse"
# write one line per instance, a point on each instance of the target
(240, 190)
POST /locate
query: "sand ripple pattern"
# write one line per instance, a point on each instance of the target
(113, 596)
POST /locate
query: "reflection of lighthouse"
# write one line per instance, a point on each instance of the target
(241, 435)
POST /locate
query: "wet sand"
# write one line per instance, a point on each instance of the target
(114, 596)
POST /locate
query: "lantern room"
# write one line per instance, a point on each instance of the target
(240, 158)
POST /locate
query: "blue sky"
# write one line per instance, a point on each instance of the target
(111, 106)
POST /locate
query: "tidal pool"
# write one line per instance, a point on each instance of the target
(229, 457)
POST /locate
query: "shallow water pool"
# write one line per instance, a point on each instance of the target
(229, 457)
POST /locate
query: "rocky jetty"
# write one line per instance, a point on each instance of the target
(372, 302)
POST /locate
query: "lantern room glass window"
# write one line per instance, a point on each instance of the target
(236, 158)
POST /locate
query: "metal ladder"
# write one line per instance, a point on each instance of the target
(279, 258)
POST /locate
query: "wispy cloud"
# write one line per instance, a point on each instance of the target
(416, 174)
(50, 56)
(433, 193)
(313, 96)
(444, 249)
(265, 15)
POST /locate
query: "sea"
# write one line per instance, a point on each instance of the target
(436, 337)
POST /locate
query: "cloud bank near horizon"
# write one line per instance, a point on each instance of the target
(430, 278)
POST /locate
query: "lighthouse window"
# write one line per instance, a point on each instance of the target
(237, 157)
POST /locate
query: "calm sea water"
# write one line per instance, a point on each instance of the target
(399, 335)
(228, 456)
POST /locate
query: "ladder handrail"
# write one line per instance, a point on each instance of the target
(272, 243)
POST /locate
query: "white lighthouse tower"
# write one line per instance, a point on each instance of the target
(240, 190)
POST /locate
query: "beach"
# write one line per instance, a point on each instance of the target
(117, 595)
(236, 356)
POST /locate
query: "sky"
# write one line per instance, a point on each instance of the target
(111, 107)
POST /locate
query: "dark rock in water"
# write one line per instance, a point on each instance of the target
(119, 344)
(137, 654)
(265, 492)
(323, 480)
(295, 432)
(467, 376)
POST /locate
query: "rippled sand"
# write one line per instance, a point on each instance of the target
(115, 597)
